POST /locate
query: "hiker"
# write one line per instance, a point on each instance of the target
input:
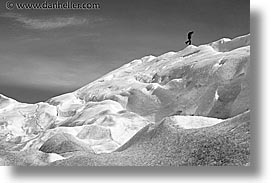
(189, 37)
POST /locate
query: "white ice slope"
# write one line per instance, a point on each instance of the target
(196, 87)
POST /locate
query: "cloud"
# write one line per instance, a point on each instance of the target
(46, 24)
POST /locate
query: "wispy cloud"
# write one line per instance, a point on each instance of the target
(46, 23)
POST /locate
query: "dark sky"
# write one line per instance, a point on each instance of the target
(44, 53)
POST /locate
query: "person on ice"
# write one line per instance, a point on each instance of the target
(189, 35)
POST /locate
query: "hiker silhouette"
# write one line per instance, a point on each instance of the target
(189, 35)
